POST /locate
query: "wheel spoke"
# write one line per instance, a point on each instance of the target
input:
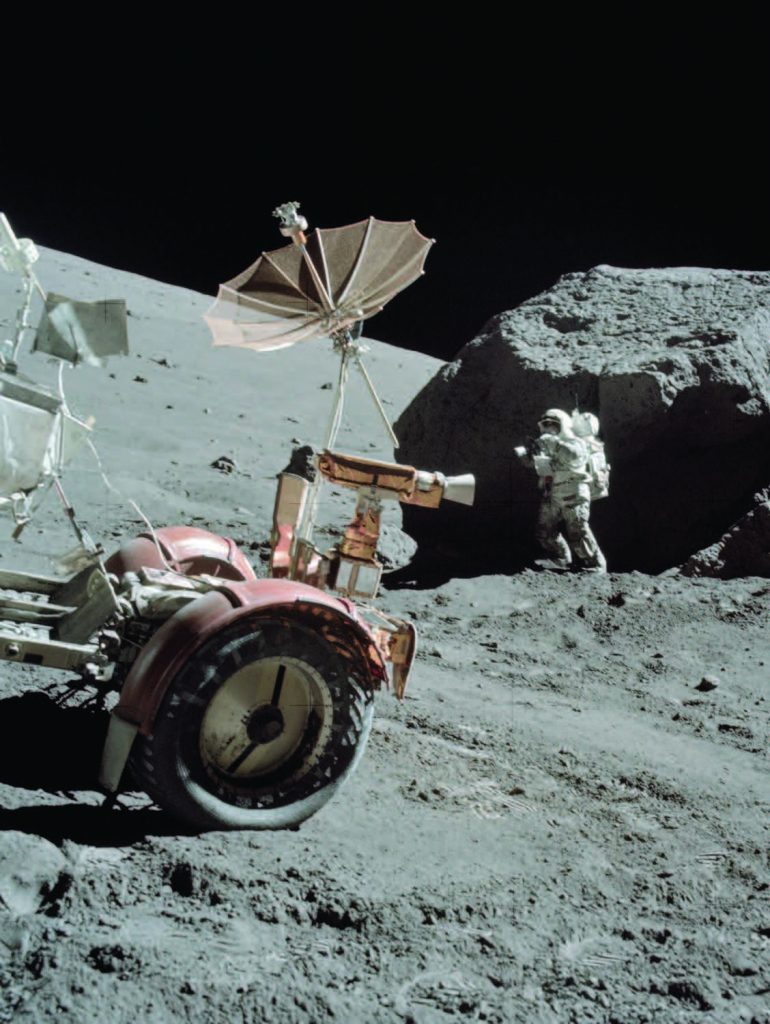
(278, 685)
(241, 758)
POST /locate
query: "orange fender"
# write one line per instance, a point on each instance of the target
(179, 637)
(186, 549)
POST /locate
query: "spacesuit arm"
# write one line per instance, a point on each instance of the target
(564, 452)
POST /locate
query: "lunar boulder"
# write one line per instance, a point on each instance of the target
(675, 363)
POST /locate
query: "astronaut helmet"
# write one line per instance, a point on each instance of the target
(556, 418)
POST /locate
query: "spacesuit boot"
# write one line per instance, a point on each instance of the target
(554, 564)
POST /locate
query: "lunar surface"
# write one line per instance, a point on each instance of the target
(566, 820)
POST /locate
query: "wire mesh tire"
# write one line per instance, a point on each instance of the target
(258, 731)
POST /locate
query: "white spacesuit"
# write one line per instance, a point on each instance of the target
(560, 460)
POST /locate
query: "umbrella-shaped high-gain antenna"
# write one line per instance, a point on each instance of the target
(321, 286)
(344, 335)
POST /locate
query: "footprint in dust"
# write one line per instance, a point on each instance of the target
(583, 951)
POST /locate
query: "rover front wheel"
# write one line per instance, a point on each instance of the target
(258, 731)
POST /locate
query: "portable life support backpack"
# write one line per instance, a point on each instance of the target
(586, 426)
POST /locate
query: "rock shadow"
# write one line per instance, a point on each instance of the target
(431, 568)
(44, 745)
(91, 826)
(47, 747)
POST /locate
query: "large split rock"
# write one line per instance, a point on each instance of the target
(743, 551)
(676, 364)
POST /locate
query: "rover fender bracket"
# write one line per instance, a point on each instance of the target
(403, 647)
(117, 747)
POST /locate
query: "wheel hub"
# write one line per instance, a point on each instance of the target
(266, 723)
(261, 715)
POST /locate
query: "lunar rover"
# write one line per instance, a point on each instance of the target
(243, 702)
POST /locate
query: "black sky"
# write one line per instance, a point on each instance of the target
(522, 167)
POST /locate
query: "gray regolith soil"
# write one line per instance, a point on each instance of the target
(562, 822)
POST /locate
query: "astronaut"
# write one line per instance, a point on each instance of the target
(560, 459)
